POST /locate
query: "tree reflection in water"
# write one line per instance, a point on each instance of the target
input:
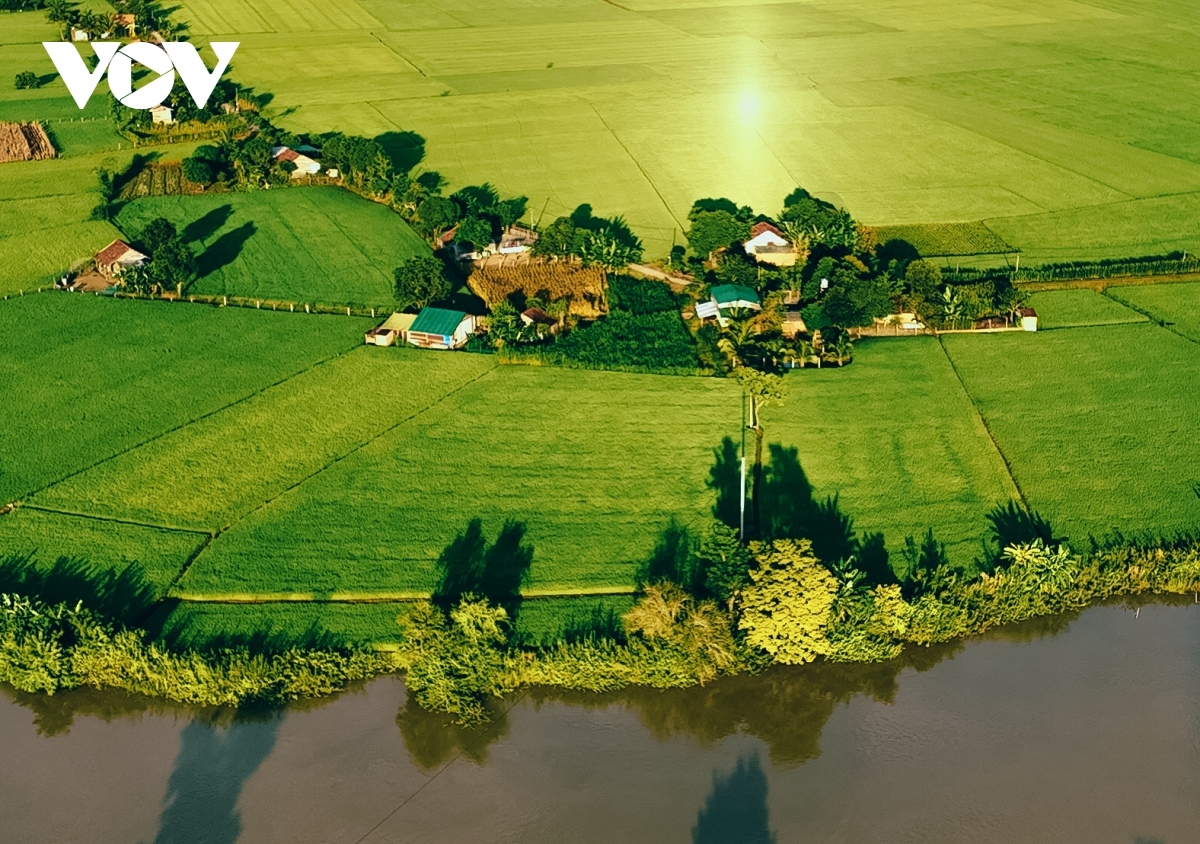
(212, 766)
(736, 810)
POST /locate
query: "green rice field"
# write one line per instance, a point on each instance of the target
(237, 454)
(1097, 423)
(321, 245)
(1075, 308)
(1067, 125)
(1177, 305)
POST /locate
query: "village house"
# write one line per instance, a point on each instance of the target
(441, 328)
(767, 244)
(394, 328)
(118, 256)
(1029, 319)
(726, 300)
(305, 166)
(162, 114)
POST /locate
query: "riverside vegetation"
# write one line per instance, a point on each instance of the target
(705, 609)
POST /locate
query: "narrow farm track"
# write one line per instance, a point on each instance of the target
(173, 429)
(991, 436)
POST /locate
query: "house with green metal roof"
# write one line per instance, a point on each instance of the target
(726, 299)
(441, 328)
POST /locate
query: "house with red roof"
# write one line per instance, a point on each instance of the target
(117, 257)
(768, 244)
(305, 166)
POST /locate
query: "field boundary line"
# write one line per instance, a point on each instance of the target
(117, 519)
(352, 451)
(1154, 320)
(983, 420)
(183, 425)
(633, 157)
(183, 569)
(250, 599)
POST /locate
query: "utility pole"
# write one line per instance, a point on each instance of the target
(742, 501)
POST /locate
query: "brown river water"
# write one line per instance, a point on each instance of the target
(1082, 729)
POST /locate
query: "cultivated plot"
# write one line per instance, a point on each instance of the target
(1075, 308)
(1093, 442)
(62, 544)
(85, 378)
(1177, 305)
(321, 244)
(214, 471)
(898, 440)
(595, 465)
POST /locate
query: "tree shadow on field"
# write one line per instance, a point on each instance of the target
(225, 249)
(201, 229)
(671, 558)
(405, 149)
(790, 511)
(171, 626)
(469, 565)
(725, 478)
(124, 596)
(736, 809)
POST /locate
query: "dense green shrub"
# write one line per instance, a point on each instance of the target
(624, 339)
(639, 296)
(48, 648)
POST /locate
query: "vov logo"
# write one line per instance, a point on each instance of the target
(164, 59)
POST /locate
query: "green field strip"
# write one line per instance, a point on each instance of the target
(213, 472)
(595, 464)
(1175, 307)
(1094, 443)
(984, 423)
(387, 597)
(52, 541)
(1080, 308)
(179, 427)
(116, 519)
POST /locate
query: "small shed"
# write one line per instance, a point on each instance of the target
(129, 22)
(516, 239)
(544, 323)
(394, 328)
(768, 244)
(78, 34)
(1029, 319)
(162, 114)
(118, 256)
(305, 166)
(441, 328)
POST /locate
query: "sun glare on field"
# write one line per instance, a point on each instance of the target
(749, 107)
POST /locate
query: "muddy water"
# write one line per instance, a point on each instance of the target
(1080, 730)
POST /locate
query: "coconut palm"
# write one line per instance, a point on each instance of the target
(739, 340)
(842, 351)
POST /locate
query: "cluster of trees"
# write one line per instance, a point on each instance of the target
(594, 241)
(478, 211)
(27, 79)
(149, 14)
(171, 266)
(721, 607)
(642, 331)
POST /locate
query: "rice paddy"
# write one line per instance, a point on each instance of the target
(1176, 305)
(321, 245)
(237, 454)
(1065, 125)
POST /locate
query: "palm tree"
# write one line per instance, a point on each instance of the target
(738, 339)
(763, 389)
(842, 351)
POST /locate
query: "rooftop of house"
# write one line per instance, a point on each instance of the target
(116, 251)
(399, 322)
(437, 321)
(763, 226)
(726, 294)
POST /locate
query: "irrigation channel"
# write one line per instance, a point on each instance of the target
(1082, 729)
